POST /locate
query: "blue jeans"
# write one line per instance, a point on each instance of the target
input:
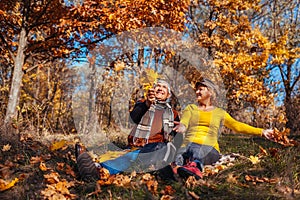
(206, 155)
(157, 154)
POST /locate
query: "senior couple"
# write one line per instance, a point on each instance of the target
(163, 143)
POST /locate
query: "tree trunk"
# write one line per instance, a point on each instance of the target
(14, 93)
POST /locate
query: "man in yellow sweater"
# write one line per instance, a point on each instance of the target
(201, 124)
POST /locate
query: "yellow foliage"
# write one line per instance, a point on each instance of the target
(148, 79)
(43, 166)
(254, 159)
(4, 185)
(58, 145)
(6, 147)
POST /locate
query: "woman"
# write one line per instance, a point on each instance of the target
(201, 124)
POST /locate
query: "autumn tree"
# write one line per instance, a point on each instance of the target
(118, 18)
(239, 51)
(36, 32)
(46, 99)
(279, 22)
(31, 35)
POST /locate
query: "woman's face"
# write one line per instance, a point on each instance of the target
(202, 93)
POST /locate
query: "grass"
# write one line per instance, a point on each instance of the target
(281, 163)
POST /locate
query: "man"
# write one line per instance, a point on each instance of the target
(152, 134)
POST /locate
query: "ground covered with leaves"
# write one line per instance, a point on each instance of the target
(252, 168)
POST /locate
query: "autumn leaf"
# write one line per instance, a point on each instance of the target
(281, 137)
(58, 190)
(108, 181)
(274, 152)
(6, 147)
(152, 75)
(254, 159)
(119, 66)
(263, 151)
(52, 178)
(148, 79)
(60, 166)
(231, 179)
(70, 171)
(62, 187)
(191, 182)
(36, 159)
(211, 170)
(104, 174)
(152, 186)
(256, 179)
(4, 185)
(121, 180)
(166, 197)
(43, 166)
(58, 145)
(168, 190)
(220, 167)
(146, 177)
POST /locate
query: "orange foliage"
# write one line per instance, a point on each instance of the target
(240, 52)
(281, 137)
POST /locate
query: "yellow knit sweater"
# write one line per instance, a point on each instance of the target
(203, 126)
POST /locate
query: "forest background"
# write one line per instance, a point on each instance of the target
(47, 46)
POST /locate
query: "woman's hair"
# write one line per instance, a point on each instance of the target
(211, 87)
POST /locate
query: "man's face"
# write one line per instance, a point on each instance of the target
(161, 91)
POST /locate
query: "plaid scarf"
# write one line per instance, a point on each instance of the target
(143, 129)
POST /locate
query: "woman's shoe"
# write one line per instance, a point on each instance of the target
(190, 169)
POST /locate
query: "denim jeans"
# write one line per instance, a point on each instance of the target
(204, 154)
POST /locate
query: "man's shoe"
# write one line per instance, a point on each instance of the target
(79, 149)
(190, 169)
(87, 167)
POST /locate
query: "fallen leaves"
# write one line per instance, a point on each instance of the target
(56, 188)
(5, 185)
(232, 178)
(58, 145)
(6, 147)
(43, 166)
(168, 190)
(150, 182)
(118, 179)
(36, 159)
(70, 171)
(191, 182)
(122, 180)
(52, 178)
(254, 159)
(7, 169)
(256, 179)
(210, 170)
